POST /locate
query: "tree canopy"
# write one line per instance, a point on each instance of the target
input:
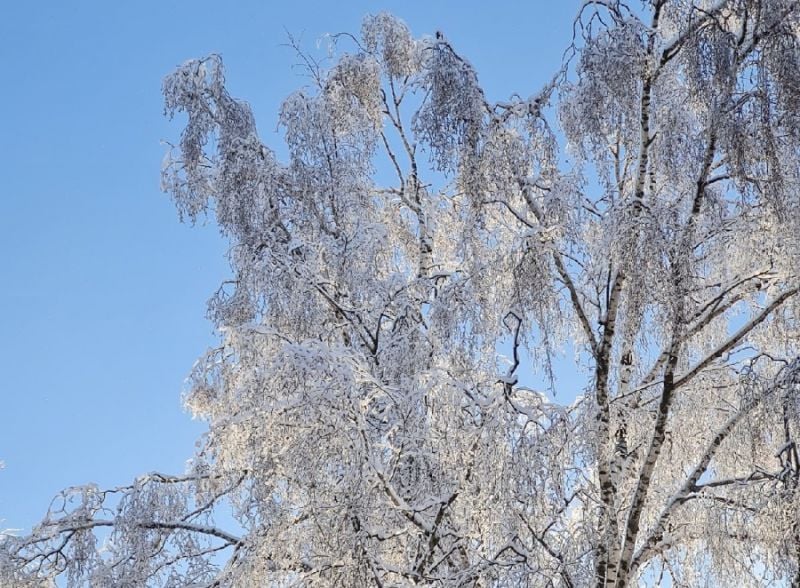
(424, 250)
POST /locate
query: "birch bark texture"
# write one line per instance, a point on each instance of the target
(421, 253)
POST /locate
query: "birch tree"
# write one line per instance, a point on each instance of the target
(421, 257)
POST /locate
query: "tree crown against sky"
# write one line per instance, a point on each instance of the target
(419, 252)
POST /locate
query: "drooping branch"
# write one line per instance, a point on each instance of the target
(736, 338)
(690, 485)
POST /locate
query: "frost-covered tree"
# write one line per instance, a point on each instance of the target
(425, 252)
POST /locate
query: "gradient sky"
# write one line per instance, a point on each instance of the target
(102, 290)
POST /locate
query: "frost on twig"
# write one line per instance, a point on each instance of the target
(418, 262)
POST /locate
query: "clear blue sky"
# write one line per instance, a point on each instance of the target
(102, 290)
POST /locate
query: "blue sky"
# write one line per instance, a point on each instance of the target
(102, 290)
